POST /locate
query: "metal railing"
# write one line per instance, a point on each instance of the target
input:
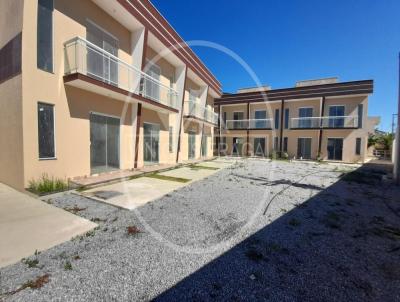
(324, 122)
(203, 113)
(249, 124)
(82, 56)
(260, 123)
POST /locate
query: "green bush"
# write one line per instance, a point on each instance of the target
(45, 184)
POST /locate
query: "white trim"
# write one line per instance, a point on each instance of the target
(105, 114)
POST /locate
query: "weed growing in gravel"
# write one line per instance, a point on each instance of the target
(254, 255)
(31, 263)
(331, 220)
(91, 233)
(67, 266)
(46, 184)
(132, 230)
(74, 210)
(294, 222)
(77, 257)
(39, 282)
(97, 220)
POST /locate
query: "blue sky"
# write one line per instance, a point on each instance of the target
(284, 41)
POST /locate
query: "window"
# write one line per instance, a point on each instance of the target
(358, 146)
(46, 131)
(276, 118)
(171, 139)
(45, 35)
(285, 144)
(360, 115)
(336, 116)
(260, 117)
(305, 115)
(287, 118)
(238, 120)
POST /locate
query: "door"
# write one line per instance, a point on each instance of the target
(259, 146)
(237, 146)
(204, 145)
(335, 148)
(238, 120)
(104, 143)
(305, 115)
(151, 87)
(192, 144)
(336, 116)
(304, 148)
(100, 65)
(151, 139)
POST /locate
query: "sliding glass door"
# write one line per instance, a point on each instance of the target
(151, 142)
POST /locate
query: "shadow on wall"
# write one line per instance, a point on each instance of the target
(343, 244)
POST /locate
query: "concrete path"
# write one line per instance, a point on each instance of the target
(133, 193)
(28, 224)
(189, 173)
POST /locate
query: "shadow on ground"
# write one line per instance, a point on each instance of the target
(343, 244)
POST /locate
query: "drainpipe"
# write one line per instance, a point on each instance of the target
(248, 131)
(320, 126)
(281, 125)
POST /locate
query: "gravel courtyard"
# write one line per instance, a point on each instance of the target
(257, 231)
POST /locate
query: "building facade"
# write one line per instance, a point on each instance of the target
(317, 119)
(90, 86)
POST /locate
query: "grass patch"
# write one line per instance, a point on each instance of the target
(46, 184)
(200, 167)
(170, 178)
(68, 266)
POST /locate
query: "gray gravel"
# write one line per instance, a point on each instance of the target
(314, 237)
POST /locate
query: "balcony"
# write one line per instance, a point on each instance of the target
(192, 109)
(249, 124)
(336, 122)
(85, 58)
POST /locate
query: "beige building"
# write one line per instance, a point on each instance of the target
(318, 119)
(90, 86)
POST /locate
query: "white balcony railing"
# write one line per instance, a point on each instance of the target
(249, 124)
(203, 113)
(324, 122)
(260, 123)
(84, 57)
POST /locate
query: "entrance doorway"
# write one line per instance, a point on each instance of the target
(304, 147)
(104, 143)
(237, 146)
(151, 141)
(192, 144)
(259, 146)
(335, 148)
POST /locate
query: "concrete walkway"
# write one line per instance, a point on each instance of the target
(28, 224)
(133, 193)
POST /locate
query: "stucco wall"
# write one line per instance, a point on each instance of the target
(11, 138)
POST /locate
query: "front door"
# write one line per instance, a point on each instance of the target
(304, 148)
(237, 146)
(192, 144)
(151, 140)
(335, 148)
(104, 143)
(259, 146)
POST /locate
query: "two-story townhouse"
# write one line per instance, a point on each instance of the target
(91, 86)
(318, 119)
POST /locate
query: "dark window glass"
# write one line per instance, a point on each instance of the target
(358, 146)
(305, 115)
(287, 118)
(276, 118)
(276, 143)
(360, 115)
(45, 35)
(46, 130)
(171, 139)
(285, 144)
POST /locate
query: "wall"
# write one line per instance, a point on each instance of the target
(11, 138)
